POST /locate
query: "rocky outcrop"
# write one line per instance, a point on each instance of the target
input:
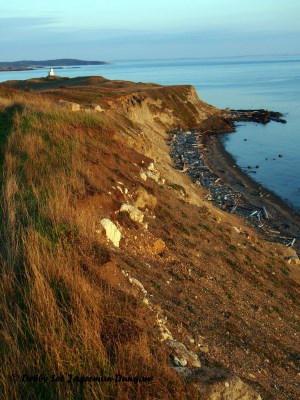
(181, 356)
(259, 116)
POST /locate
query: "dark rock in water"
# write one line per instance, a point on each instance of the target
(280, 155)
(260, 116)
(256, 166)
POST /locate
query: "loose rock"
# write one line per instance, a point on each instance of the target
(112, 232)
(143, 176)
(183, 353)
(70, 105)
(134, 213)
(159, 246)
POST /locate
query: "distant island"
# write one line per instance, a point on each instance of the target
(29, 64)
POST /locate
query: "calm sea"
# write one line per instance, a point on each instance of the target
(244, 82)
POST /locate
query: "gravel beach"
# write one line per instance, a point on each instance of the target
(204, 158)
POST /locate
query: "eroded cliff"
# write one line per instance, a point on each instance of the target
(114, 263)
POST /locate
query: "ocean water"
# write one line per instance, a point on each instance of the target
(242, 82)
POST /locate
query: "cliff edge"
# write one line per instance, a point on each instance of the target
(119, 279)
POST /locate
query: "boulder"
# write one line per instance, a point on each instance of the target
(182, 353)
(70, 105)
(112, 232)
(98, 108)
(134, 213)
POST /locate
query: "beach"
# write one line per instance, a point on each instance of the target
(204, 158)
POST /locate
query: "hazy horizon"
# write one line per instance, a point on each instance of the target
(126, 31)
(36, 59)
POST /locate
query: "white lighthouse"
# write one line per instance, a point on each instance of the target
(51, 72)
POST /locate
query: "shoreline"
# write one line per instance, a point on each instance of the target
(203, 156)
(283, 218)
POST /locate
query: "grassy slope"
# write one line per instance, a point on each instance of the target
(58, 315)
(65, 306)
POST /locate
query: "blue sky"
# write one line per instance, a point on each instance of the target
(131, 29)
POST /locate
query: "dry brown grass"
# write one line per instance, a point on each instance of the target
(57, 316)
(65, 305)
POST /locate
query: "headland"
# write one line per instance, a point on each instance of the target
(26, 65)
(114, 263)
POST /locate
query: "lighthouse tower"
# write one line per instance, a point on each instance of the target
(51, 72)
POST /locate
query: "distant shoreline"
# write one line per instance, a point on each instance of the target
(28, 65)
(12, 69)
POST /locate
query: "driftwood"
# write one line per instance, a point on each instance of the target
(266, 215)
(291, 244)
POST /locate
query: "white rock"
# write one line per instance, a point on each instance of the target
(143, 176)
(176, 361)
(112, 232)
(134, 213)
(70, 105)
(137, 283)
(97, 108)
(125, 273)
(151, 167)
(153, 175)
(183, 361)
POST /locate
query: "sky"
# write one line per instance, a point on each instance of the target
(134, 29)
